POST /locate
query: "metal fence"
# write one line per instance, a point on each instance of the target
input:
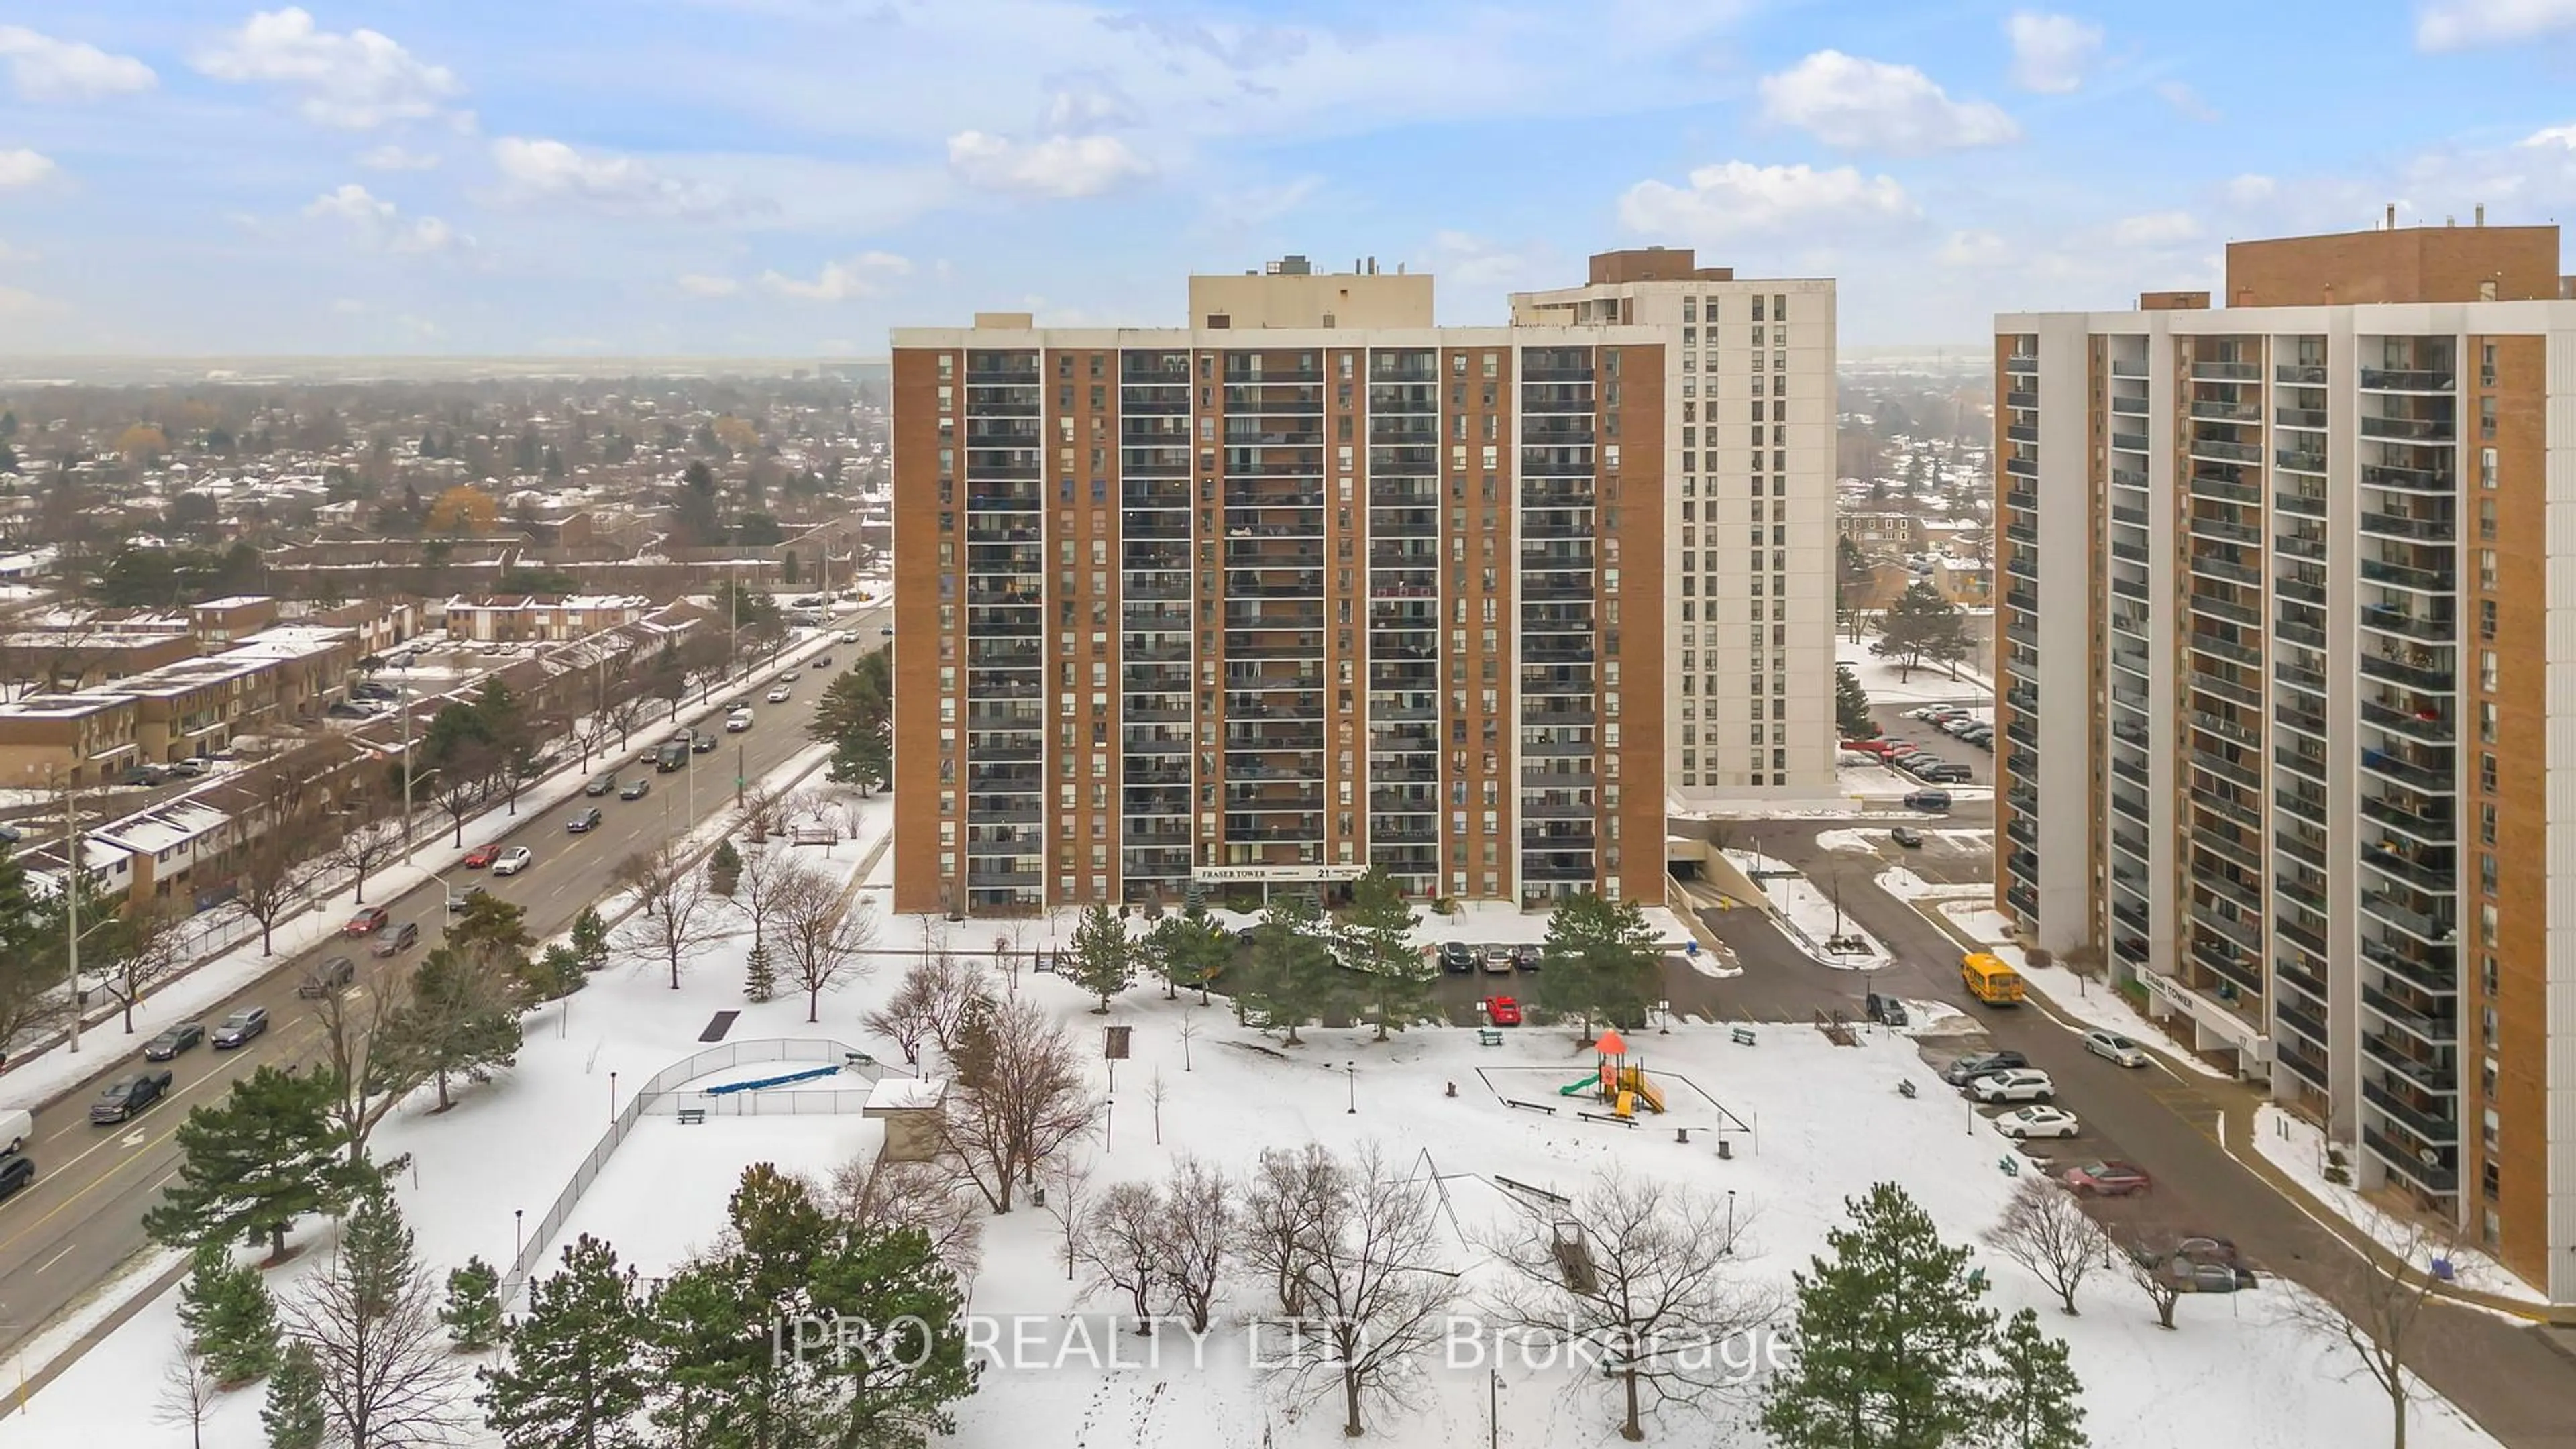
(659, 1097)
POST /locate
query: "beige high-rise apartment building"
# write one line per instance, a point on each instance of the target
(1749, 526)
(2288, 652)
(1312, 584)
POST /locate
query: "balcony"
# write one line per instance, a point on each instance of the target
(2429, 828)
(2411, 480)
(2431, 878)
(2412, 1018)
(2431, 930)
(2437, 1176)
(2222, 370)
(2306, 1024)
(2420, 723)
(2417, 676)
(2308, 1066)
(2385, 379)
(2432, 977)
(2408, 430)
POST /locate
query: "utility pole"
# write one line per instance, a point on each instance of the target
(71, 903)
(406, 705)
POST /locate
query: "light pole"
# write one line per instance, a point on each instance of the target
(518, 1235)
(1727, 1250)
(1351, 1079)
(612, 1096)
(71, 905)
(1108, 1117)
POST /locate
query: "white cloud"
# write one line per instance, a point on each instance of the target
(1473, 263)
(23, 167)
(703, 284)
(356, 81)
(46, 69)
(2186, 101)
(15, 303)
(544, 170)
(10, 253)
(2252, 189)
(1061, 166)
(2155, 229)
(2460, 24)
(1975, 249)
(1856, 104)
(864, 275)
(1087, 103)
(396, 158)
(379, 224)
(2051, 52)
(1738, 198)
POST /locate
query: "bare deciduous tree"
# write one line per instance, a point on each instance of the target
(1292, 1192)
(1066, 1194)
(905, 1019)
(1155, 1091)
(271, 882)
(1188, 1032)
(389, 1374)
(1121, 1243)
(679, 913)
(2379, 1316)
(463, 783)
(366, 846)
(959, 988)
(756, 889)
(2145, 1244)
(147, 944)
(2047, 1231)
(188, 1391)
(822, 935)
(368, 1072)
(1019, 1098)
(1195, 1237)
(763, 812)
(874, 1192)
(1634, 1274)
(1375, 1288)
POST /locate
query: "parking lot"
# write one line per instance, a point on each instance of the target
(1893, 726)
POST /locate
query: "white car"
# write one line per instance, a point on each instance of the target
(513, 860)
(737, 722)
(2022, 1084)
(780, 695)
(2115, 1048)
(2022, 1123)
(849, 636)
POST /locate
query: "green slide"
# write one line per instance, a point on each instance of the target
(1577, 1089)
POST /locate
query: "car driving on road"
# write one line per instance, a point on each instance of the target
(635, 789)
(238, 1028)
(480, 856)
(513, 860)
(332, 975)
(368, 921)
(128, 1095)
(173, 1041)
(584, 822)
(600, 784)
(2107, 1179)
(2112, 1047)
(396, 941)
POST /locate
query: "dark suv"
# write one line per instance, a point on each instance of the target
(1457, 958)
(332, 975)
(1969, 1068)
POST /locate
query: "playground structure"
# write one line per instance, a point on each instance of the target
(1616, 1080)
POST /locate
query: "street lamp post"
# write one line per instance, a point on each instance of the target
(1728, 1249)
(612, 1096)
(518, 1234)
(1351, 1079)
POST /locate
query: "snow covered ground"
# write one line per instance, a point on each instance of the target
(2294, 1145)
(1810, 915)
(2080, 997)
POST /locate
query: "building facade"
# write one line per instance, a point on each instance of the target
(1249, 607)
(1748, 514)
(2285, 652)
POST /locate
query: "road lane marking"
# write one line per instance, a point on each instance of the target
(48, 1264)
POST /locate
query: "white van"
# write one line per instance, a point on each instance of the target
(17, 1127)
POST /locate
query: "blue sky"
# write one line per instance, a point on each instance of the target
(794, 176)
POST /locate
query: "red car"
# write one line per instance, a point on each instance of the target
(481, 856)
(367, 921)
(1503, 1010)
(2107, 1179)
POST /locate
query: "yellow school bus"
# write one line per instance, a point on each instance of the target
(1989, 980)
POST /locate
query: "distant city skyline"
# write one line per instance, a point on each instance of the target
(792, 177)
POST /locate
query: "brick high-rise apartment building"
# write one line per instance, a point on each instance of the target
(2288, 651)
(1307, 585)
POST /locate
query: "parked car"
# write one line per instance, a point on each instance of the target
(513, 860)
(1948, 773)
(191, 767)
(126, 1096)
(2020, 1084)
(1932, 801)
(173, 1041)
(2197, 1277)
(1457, 958)
(1885, 1010)
(15, 1173)
(398, 940)
(332, 975)
(480, 856)
(1498, 960)
(738, 721)
(368, 921)
(2112, 1047)
(1907, 836)
(1503, 1010)
(2023, 1123)
(584, 822)
(600, 784)
(780, 695)
(238, 1028)
(1968, 1069)
(637, 788)
(1529, 955)
(887, 631)
(2108, 1179)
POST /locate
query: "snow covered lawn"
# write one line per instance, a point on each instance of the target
(2294, 1145)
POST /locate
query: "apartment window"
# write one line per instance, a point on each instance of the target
(2487, 824)
(2486, 722)
(2487, 364)
(2486, 568)
(2487, 417)
(2486, 618)
(2487, 773)
(2486, 467)
(2487, 669)
(1757, 307)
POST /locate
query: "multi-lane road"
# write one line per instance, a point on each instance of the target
(83, 1215)
(2504, 1374)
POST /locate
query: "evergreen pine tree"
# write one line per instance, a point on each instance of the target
(1292, 981)
(1187, 950)
(231, 1322)
(1922, 628)
(377, 1245)
(759, 974)
(2035, 1402)
(556, 973)
(252, 1164)
(463, 1016)
(1396, 976)
(293, 1414)
(571, 1374)
(1894, 1340)
(473, 1311)
(590, 939)
(1600, 962)
(1851, 706)
(1103, 956)
(724, 868)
